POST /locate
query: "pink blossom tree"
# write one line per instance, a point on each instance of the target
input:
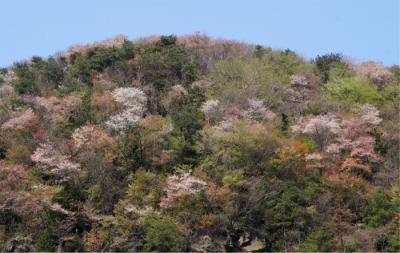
(48, 157)
(257, 111)
(375, 71)
(21, 120)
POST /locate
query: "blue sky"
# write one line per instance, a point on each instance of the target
(360, 29)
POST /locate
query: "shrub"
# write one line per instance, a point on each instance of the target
(354, 90)
(379, 210)
(162, 234)
(25, 86)
(46, 241)
(321, 240)
(326, 62)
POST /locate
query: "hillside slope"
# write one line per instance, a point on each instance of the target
(193, 144)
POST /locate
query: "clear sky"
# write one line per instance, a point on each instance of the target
(359, 29)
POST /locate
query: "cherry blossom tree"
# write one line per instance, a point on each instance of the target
(91, 137)
(130, 97)
(48, 157)
(211, 109)
(6, 90)
(133, 102)
(180, 185)
(178, 91)
(375, 71)
(257, 111)
(21, 120)
(298, 80)
(322, 128)
(370, 115)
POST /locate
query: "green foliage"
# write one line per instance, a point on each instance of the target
(235, 80)
(145, 189)
(166, 63)
(25, 87)
(86, 109)
(23, 71)
(391, 93)
(339, 71)
(395, 69)
(380, 209)
(355, 90)
(188, 74)
(100, 58)
(284, 123)
(81, 68)
(69, 84)
(3, 150)
(325, 63)
(388, 242)
(19, 153)
(380, 144)
(46, 241)
(320, 240)
(309, 144)
(188, 122)
(50, 72)
(166, 41)
(162, 234)
(260, 51)
(233, 177)
(70, 196)
(261, 183)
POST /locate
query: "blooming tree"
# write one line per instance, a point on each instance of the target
(6, 90)
(133, 102)
(90, 136)
(178, 91)
(130, 97)
(375, 71)
(257, 111)
(21, 120)
(322, 128)
(298, 80)
(48, 157)
(179, 186)
(370, 115)
(226, 125)
(313, 157)
(211, 109)
(50, 105)
(363, 147)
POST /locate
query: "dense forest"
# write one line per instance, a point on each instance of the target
(196, 144)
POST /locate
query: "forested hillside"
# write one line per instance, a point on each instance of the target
(194, 144)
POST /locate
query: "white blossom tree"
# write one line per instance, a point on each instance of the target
(211, 110)
(298, 80)
(133, 102)
(322, 128)
(257, 111)
(375, 71)
(180, 185)
(91, 137)
(370, 115)
(48, 157)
